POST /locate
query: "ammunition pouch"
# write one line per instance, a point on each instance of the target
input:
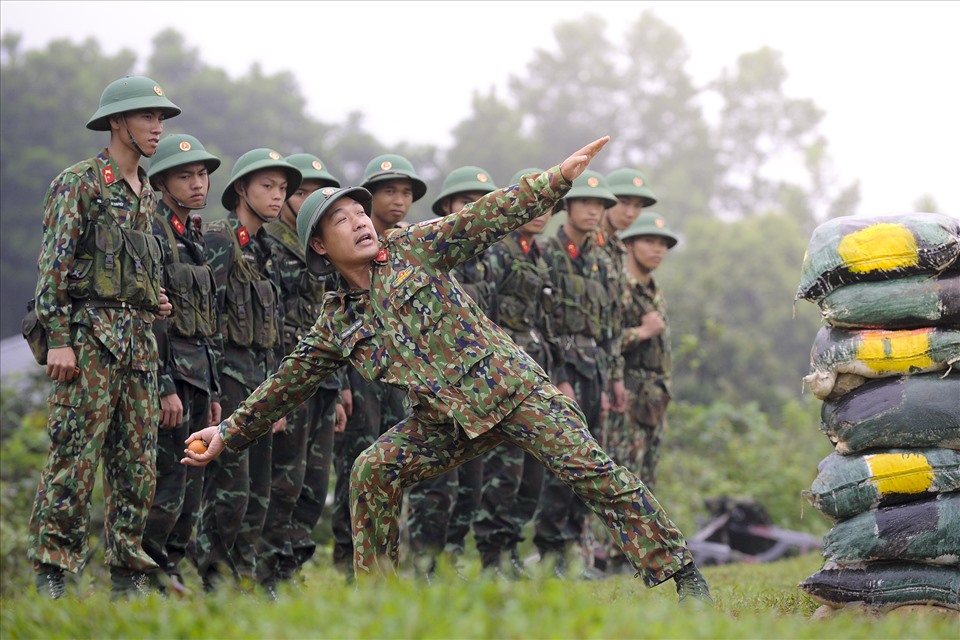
(35, 334)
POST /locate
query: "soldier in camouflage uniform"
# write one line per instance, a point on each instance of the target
(97, 294)
(581, 271)
(236, 490)
(646, 345)
(188, 342)
(303, 451)
(441, 509)
(633, 193)
(376, 406)
(401, 318)
(512, 478)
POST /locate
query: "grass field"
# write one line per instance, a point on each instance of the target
(753, 601)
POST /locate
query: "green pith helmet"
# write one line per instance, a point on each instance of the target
(463, 180)
(311, 168)
(630, 182)
(312, 211)
(177, 150)
(649, 223)
(523, 172)
(256, 160)
(591, 184)
(130, 93)
(390, 166)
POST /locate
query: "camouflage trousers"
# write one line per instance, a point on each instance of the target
(227, 491)
(512, 479)
(552, 428)
(637, 444)
(170, 503)
(109, 412)
(441, 510)
(302, 457)
(561, 517)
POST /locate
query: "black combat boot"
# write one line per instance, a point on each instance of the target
(692, 586)
(127, 583)
(50, 582)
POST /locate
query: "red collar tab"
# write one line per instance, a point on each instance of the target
(525, 244)
(107, 172)
(175, 222)
(601, 239)
(381, 256)
(572, 249)
(243, 236)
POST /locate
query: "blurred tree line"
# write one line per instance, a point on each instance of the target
(742, 170)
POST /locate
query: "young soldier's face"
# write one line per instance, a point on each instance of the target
(648, 251)
(536, 225)
(627, 210)
(459, 200)
(145, 125)
(292, 205)
(187, 184)
(347, 235)
(583, 214)
(391, 202)
(265, 190)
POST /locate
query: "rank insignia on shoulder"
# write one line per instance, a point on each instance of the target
(572, 250)
(243, 236)
(381, 256)
(108, 177)
(403, 275)
(175, 221)
(601, 239)
(525, 245)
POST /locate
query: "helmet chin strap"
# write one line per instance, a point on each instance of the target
(250, 206)
(202, 205)
(133, 140)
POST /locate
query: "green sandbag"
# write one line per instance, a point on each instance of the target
(878, 353)
(885, 585)
(924, 531)
(901, 303)
(849, 485)
(852, 249)
(902, 412)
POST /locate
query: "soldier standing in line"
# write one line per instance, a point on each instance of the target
(188, 341)
(303, 451)
(236, 490)
(646, 344)
(376, 406)
(441, 509)
(633, 193)
(98, 292)
(402, 318)
(512, 478)
(580, 270)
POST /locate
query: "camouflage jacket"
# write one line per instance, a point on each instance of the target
(415, 328)
(190, 360)
(644, 358)
(247, 365)
(524, 297)
(584, 319)
(71, 202)
(616, 252)
(301, 291)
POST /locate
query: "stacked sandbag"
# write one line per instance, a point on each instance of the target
(888, 288)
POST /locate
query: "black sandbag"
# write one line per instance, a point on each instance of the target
(848, 485)
(901, 303)
(885, 585)
(851, 249)
(925, 531)
(903, 412)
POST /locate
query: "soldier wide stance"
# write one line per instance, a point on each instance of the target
(97, 295)
(401, 318)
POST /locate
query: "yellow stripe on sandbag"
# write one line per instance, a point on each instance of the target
(879, 247)
(900, 473)
(895, 351)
